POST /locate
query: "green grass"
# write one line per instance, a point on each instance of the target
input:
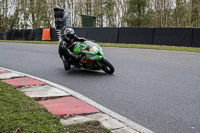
(155, 47)
(20, 113)
(139, 46)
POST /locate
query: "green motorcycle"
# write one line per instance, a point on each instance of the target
(93, 57)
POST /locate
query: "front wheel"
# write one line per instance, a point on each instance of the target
(107, 66)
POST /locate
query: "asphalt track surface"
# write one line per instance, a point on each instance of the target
(159, 90)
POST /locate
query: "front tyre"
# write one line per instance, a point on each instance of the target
(107, 66)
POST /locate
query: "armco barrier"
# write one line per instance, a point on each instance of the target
(25, 35)
(38, 34)
(196, 37)
(15, 35)
(8, 35)
(31, 36)
(173, 36)
(136, 35)
(160, 36)
(20, 34)
(108, 35)
(81, 32)
(12, 34)
(53, 34)
(2, 35)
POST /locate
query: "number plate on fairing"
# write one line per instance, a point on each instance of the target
(94, 50)
(92, 57)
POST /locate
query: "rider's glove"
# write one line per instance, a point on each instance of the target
(78, 57)
(91, 40)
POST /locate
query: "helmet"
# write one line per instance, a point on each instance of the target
(69, 34)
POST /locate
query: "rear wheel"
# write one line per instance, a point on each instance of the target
(107, 66)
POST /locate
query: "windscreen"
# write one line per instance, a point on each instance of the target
(91, 47)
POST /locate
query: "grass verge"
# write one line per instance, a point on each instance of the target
(20, 113)
(155, 47)
(139, 46)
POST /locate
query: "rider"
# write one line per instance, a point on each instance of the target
(66, 47)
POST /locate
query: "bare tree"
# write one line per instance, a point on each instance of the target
(23, 14)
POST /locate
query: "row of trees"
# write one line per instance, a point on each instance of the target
(164, 13)
(23, 14)
(16, 14)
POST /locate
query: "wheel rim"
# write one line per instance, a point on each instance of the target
(106, 68)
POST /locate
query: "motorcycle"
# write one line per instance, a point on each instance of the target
(92, 57)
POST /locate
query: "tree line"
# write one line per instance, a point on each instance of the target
(23, 14)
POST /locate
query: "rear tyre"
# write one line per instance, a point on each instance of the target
(107, 66)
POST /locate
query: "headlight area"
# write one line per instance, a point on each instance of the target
(92, 57)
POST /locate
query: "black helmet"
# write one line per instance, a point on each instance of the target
(69, 34)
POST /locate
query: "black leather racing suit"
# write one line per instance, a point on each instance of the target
(66, 48)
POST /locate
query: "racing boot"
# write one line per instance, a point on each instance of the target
(78, 62)
(66, 63)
